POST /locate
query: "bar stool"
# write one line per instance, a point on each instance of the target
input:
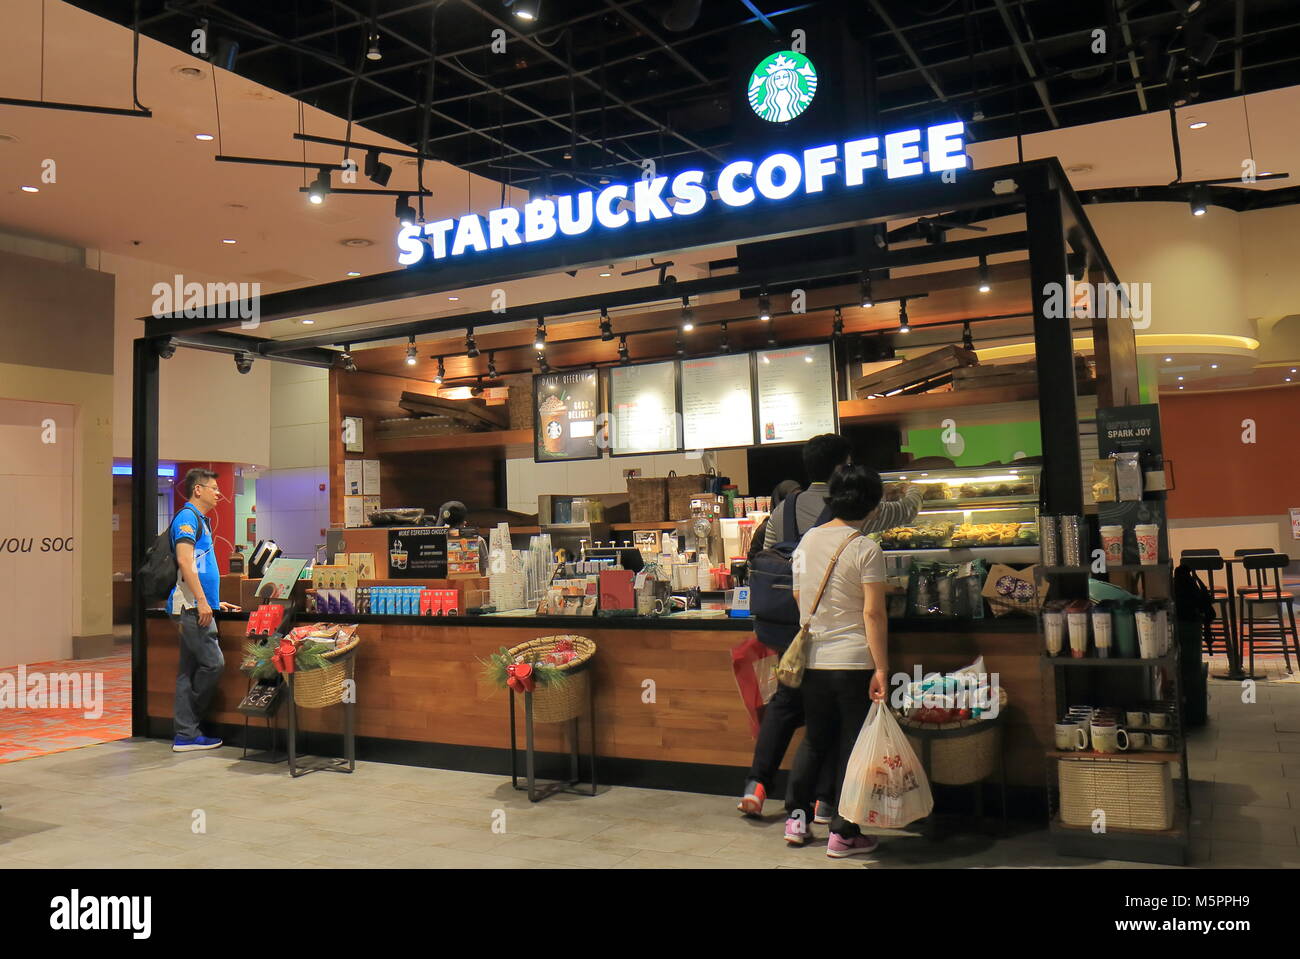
(1269, 596)
(1253, 578)
(1208, 561)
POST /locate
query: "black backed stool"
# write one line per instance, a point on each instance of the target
(1268, 572)
(1208, 561)
(1253, 578)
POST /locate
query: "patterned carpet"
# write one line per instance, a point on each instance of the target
(37, 731)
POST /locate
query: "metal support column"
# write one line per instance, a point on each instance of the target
(144, 510)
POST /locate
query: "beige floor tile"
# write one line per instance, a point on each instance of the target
(1248, 855)
(1253, 794)
(660, 840)
(563, 851)
(1247, 831)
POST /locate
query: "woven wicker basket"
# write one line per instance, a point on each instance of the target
(680, 491)
(318, 688)
(556, 704)
(1134, 795)
(958, 760)
(647, 499)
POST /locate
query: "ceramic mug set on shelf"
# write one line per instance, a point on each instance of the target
(1109, 730)
(1128, 630)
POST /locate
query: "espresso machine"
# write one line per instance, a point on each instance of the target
(702, 532)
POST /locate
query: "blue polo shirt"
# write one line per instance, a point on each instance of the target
(189, 525)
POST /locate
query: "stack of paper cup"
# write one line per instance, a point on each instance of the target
(1148, 543)
(1101, 630)
(1078, 623)
(1054, 631)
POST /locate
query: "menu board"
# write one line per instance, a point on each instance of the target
(796, 393)
(643, 408)
(565, 408)
(717, 403)
(417, 552)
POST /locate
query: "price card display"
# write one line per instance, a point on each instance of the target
(717, 403)
(796, 393)
(643, 408)
(565, 410)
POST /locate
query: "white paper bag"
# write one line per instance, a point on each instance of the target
(885, 786)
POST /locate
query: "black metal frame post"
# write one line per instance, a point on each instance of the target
(144, 505)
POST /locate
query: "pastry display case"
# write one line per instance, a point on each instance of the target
(987, 511)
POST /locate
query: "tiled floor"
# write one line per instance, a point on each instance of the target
(27, 733)
(135, 804)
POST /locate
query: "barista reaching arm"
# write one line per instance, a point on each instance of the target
(898, 512)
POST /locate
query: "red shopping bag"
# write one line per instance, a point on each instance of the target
(755, 667)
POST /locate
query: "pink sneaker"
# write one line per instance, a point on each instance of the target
(840, 848)
(797, 832)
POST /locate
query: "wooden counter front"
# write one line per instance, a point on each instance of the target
(421, 682)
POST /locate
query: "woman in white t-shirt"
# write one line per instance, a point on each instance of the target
(847, 664)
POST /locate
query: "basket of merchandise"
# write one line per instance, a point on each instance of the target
(553, 668)
(319, 657)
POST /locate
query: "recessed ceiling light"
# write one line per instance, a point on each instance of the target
(1198, 125)
(231, 242)
(306, 322)
(1169, 359)
(1180, 377)
(1288, 379)
(1293, 371)
(30, 189)
(353, 273)
(189, 73)
(1182, 387)
(356, 241)
(1214, 366)
(453, 298)
(203, 136)
(604, 273)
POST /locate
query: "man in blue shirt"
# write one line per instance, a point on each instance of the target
(196, 594)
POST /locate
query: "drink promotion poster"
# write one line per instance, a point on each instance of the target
(796, 393)
(417, 553)
(717, 403)
(1132, 429)
(643, 408)
(280, 578)
(565, 407)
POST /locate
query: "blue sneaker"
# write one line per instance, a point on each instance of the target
(199, 742)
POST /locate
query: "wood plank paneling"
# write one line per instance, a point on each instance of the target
(423, 683)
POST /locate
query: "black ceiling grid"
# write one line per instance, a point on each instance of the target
(639, 89)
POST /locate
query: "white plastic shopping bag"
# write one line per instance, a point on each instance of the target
(885, 786)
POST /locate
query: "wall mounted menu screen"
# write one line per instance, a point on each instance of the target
(796, 393)
(565, 406)
(643, 408)
(717, 403)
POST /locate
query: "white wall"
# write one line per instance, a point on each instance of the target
(292, 508)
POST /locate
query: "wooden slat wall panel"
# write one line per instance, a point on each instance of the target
(423, 683)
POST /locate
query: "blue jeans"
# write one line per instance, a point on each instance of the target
(201, 664)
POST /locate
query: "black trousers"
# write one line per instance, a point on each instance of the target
(784, 714)
(836, 702)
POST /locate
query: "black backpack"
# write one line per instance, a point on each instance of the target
(771, 583)
(159, 573)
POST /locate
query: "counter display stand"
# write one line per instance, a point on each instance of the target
(563, 705)
(1123, 781)
(264, 699)
(325, 690)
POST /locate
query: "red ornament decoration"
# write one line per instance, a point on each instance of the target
(520, 677)
(283, 657)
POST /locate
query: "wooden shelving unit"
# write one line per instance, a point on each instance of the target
(489, 440)
(627, 527)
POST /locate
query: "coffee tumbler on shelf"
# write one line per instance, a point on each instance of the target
(1072, 540)
(1101, 629)
(1049, 540)
(1076, 617)
(1054, 631)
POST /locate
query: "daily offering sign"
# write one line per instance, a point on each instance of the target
(906, 153)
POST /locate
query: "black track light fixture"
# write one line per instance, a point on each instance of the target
(725, 345)
(837, 325)
(688, 315)
(903, 326)
(372, 45)
(542, 365)
(764, 305)
(967, 337)
(864, 292)
(1199, 200)
(477, 388)
(165, 347)
(319, 186)
(345, 360)
(403, 210)
(527, 10)
(492, 364)
(622, 350)
(411, 357)
(243, 361)
(681, 344)
(606, 328)
(442, 372)
(984, 274)
(471, 348)
(376, 169)
(539, 338)
(771, 334)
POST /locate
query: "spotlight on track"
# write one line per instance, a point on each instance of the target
(243, 361)
(837, 325)
(492, 365)
(442, 372)
(166, 347)
(542, 365)
(471, 348)
(411, 357)
(376, 169)
(1198, 201)
(345, 359)
(864, 292)
(622, 350)
(967, 337)
(319, 187)
(725, 345)
(764, 305)
(606, 329)
(403, 210)
(688, 315)
(539, 338)
(984, 275)
(372, 46)
(903, 326)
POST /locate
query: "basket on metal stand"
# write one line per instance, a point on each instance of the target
(560, 702)
(316, 689)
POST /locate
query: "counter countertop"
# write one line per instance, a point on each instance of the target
(1019, 624)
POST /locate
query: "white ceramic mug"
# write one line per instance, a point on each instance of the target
(1107, 738)
(1162, 741)
(1071, 736)
(1158, 720)
(1139, 740)
(1136, 718)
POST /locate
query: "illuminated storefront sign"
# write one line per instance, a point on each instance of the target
(906, 153)
(782, 86)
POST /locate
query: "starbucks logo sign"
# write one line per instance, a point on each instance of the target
(782, 86)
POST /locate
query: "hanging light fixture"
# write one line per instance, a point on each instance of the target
(984, 274)
(622, 350)
(372, 46)
(606, 328)
(442, 372)
(837, 325)
(477, 388)
(1198, 201)
(764, 304)
(471, 348)
(403, 210)
(902, 316)
(539, 338)
(771, 334)
(681, 344)
(864, 291)
(411, 357)
(492, 364)
(528, 10)
(725, 345)
(967, 338)
(542, 364)
(319, 187)
(688, 315)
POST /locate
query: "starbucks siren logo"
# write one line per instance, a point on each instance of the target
(782, 86)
